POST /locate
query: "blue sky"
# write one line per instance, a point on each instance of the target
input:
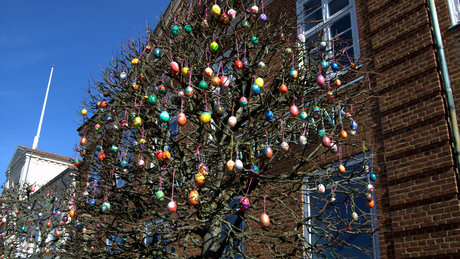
(75, 37)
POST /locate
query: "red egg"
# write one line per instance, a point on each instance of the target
(326, 141)
(224, 81)
(159, 155)
(283, 89)
(238, 64)
(181, 119)
(268, 152)
(101, 156)
(264, 220)
(172, 206)
(174, 66)
(294, 110)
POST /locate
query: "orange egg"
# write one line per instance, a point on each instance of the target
(283, 89)
(193, 197)
(343, 134)
(166, 155)
(370, 204)
(264, 220)
(181, 119)
(72, 213)
(199, 179)
(337, 82)
(83, 141)
(47, 251)
(215, 81)
(48, 224)
(342, 169)
(230, 165)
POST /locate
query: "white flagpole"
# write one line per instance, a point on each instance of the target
(34, 146)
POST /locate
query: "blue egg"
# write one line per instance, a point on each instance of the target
(324, 64)
(255, 169)
(92, 203)
(269, 115)
(354, 125)
(124, 163)
(373, 177)
(109, 117)
(157, 53)
(255, 89)
(334, 66)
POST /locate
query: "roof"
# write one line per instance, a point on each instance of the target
(47, 153)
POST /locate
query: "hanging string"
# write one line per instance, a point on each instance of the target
(265, 202)
(262, 6)
(231, 147)
(197, 152)
(205, 102)
(172, 190)
(340, 153)
(249, 186)
(293, 99)
(333, 51)
(266, 134)
(293, 61)
(369, 80)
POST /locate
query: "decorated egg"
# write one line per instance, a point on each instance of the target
(259, 81)
(208, 71)
(185, 71)
(370, 204)
(316, 110)
(124, 163)
(244, 204)
(193, 197)
(137, 122)
(159, 154)
(301, 37)
(238, 64)
(243, 101)
(166, 155)
(334, 148)
(203, 169)
(283, 89)
(174, 66)
(294, 111)
(254, 40)
(334, 66)
(232, 121)
(188, 28)
(342, 169)
(370, 187)
(333, 199)
(254, 9)
(246, 24)
(76, 162)
(160, 195)
(181, 119)
(324, 64)
(23, 228)
(101, 156)
(284, 146)
(255, 89)
(293, 73)
(354, 66)
(304, 115)
(255, 169)
(373, 177)
(164, 116)
(92, 203)
(245, 63)
(105, 207)
(239, 165)
(354, 216)
(320, 80)
(369, 197)
(109, 117)
(322, 44)
(188, 91)
(214, 46)
(97, 126)
(320, 188)
(199, 179)
(215, 10)
(172, 206)
(123, 75)
(175, 30)
(353, 132)
(215, 81)
(343, 134)
(83, 141)
(219, 110)
(302, 140)
(268, 152)
(135, 61)
(262, 65)
(326, 141)
(203, 84)
(157, 53)
(205, 117)
(231, 13)
(337, 82)
(140, 163)
(264, 220)
(224, 19)
(135, 86)
(354, 125)
(269, 115)
(84, 112)
(263, 17)
(224, 81)
(230, 165)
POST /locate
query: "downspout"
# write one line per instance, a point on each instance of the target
(446, 81)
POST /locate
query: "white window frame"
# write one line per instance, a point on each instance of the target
(454, 11)
(329, 20)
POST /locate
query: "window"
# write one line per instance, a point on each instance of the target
(454, 11)
(233, 223)
(331, 240)
(333, 19)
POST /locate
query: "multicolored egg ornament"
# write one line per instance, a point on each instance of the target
(166, 155)
(224, 19)
(160, 195)
(268, 152)
(231, 13)
(304, 115)
(326, 141)
(193, 197)
(225, 81)
(208, 71)
(243, 101)
(342, 169)
(320, 188)
(172, 206)
(101, 156)
(84, 112)
(181, 119)
(320, 80)
(302, 140)
(370, 187)
(188, 91)
(140, 163)
(214, 46)
(301, 38)
(255, 169)
(114, 148)
(239, 165)
(123, 75)
(334, 66)
(254, 9)
(157, 53)
(135, 61)
(334, 148)
(294, 111)
(316, 110)
(185, 71)
(255, 89)
(232, 121)
(105, 207)
(188, 28)
(238, 64)
(205, 117)
(203, 169)
(215, 81)
(244, 204)
(284, 146)
(137, 122)
(124, 163)
(264, 220)
(230, 165)
(354, 125)
(215, 10)
(76, 162)
(97, 126)
(293, 74)
(175, 30)
(199, 179)
(343, 134)
(164, 116)
(269, 115)
(283, 88)
(369, 197)
(337, 82)
(322, 44)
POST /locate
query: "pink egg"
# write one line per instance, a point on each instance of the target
(231, 13)
(224, 81)
(264, 220)
(320, 80)
(174, 67)
(326, 141)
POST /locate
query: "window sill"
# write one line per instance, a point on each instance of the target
(453, 27)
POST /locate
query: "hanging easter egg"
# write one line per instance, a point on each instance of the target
(304, 115)
(160, 195)
(302, 140)
(109, 118)
(172, 206)
(324, 64)
(215, 10)
(83, 141)
(354, 216)
(293, 74)
(219, 110)
(48, 224)
(264, 220)
(123, 75)
(164, 116)
(343, 134)
(175, 30)
(135, 61)
(333, 199)
(188, 28)
(342, 169)
(245, 63)
(205, 117)
(254, 40)
(215, 81)
(225, 81)
(320, 80)
(174, 66)
(255, 89)
(322, 44)
(162, 89)
(124, 163)
(193, 197)
(353, 132)
(105, 207)
(316, 110)
(181, 119)
(283, 88)
(246, 24)
(262, 66)
(23, 228)
(203, 84)
(268, 152)
(152, 99)
(334, 66)
(259, 81)
(255, 169)
(140, 163)
(334, 148)
(294, 111)
(243, 101)
(337, 82)
(166, 156)
(135, 86)
(203, 169)
(254, 9)
(214, 46)
(101, 156)
(157, 53)
(208, 71)
(185, 71)
(263, 17)
(238, 64)
(232, 121)
(354, 125)
(239, 165)
(159, 154)
(244, 204)
(137, 122)
(230, 165)
(199, 179)
(320, 188)
(76, 162)
(301, 38)
(269, 115)
(370, 204)
(224, 19)
(373, 177)
(354, 66)
(231, 13)
(369, 197)
(370, 187)
(284, 146)
(326, 141)
(92, 203)
(84, 112)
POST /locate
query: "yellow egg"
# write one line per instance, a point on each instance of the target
(135, 61)
(84, 112)
(205, 117)
(260, 82)
(215, 10)
(185, 71)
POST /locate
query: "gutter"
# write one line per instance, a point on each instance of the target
(446, 83)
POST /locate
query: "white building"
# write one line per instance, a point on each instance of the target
(34, 166)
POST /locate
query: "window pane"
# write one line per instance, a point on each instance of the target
(340, 25)
(312, 19)
(311, 5)
(337, 5)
